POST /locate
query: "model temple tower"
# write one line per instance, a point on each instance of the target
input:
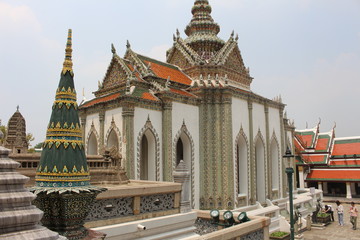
(16, 133)
(62, 177)
(197, 107)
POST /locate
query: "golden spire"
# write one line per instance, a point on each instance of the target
(67, 66)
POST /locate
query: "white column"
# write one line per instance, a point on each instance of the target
(320, 185)
(301, 177)
(348, 190)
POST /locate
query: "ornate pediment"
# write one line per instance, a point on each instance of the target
(117, 74)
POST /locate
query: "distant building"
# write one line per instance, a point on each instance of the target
(16, 134)
(328, 163)
(197, 107)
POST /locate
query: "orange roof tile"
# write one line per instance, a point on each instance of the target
(306, 139)
(100, 100)
(346, 148)
(334, 175)
(164, 72)
(148, 96)
(345, 163)
(298, 146)
(317, 158)
(181, 92)
(322, 144)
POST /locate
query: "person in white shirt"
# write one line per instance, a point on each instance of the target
(340, 212)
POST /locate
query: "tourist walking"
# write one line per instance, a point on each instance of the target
(340, 212)
(353, 215)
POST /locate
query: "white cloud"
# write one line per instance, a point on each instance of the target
(16, 18)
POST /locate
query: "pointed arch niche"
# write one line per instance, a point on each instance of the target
(92, 146)
(241, 168)
(183, 149)
(148, 149)
(260, 168)
(113, 136)
(275, 166)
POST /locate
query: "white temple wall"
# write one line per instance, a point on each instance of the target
(141, 115)
(90, 119)
(190, 114)
(274, 123)
(240, 117)
(117, 115)
(259, 122)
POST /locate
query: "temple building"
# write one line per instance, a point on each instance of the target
(198, 107)
(16, 134)
(328, 163)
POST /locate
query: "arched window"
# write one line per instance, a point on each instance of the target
(242, 165)
(148, 156)
(274, 156)
(179, 151)
(260, 170)
(92, 145)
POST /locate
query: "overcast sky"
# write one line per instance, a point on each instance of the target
(306, 51)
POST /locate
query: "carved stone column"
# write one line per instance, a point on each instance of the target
(102, 128)
(282, 151)
(268, 162)
(167, 140)
(252, 183)
(128, 134)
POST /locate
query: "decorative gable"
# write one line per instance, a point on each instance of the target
(115, 76)
(234, 61)
(177, 58)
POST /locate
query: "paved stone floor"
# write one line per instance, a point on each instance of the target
(333, 231)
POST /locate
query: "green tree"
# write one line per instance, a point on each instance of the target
(29, 138)
(39, 145)
(3, 129)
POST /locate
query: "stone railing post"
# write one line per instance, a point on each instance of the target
(182, 175)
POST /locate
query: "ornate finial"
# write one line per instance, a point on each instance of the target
(237, 37)
(17, 108)
(167, 84)
(177, 33)
(174, 38)
(127, 86)
(113, 50)
(232, 34)
(67, 66)
(128, 44)
(226, 80)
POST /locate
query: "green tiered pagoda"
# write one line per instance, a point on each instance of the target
(62, 178)
(63, 161)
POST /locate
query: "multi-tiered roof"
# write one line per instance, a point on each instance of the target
(328, 158)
